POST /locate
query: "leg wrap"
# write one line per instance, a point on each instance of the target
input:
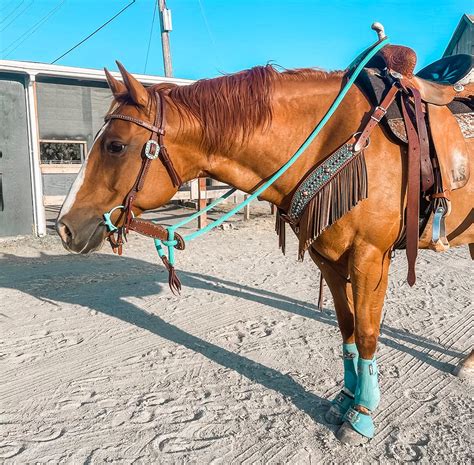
(345, 399)
(367, 395)
(367, 392)
(351, 358)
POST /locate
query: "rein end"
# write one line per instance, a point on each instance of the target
(173, 280)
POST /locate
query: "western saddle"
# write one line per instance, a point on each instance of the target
(438, 154)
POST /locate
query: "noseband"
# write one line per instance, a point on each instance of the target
(154, 148)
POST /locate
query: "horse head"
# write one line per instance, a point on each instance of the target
(115, 160)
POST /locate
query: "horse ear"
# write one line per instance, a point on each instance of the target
(117, 87)
(135, 89)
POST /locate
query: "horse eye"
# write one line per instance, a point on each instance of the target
(116, 147)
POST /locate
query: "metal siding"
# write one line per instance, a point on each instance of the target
(57, 184)
(69, 111)
(17, 216)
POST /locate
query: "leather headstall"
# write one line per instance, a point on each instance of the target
(154, 148)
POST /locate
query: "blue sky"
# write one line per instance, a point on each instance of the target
(214, 36)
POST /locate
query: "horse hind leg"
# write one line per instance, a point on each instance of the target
(334, 275)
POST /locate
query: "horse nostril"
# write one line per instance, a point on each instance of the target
(64, 232)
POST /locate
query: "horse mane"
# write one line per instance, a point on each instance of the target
(230, 108)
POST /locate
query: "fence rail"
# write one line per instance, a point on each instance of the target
(196, 190)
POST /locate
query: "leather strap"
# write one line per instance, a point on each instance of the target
(150, 229)
(413, 190)
(131, 119)
(426, 167)
(442, 195)
(376, 117)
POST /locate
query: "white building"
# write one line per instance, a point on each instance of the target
(46, 110)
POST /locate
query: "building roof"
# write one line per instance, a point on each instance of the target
(88, 74)
(466, 21)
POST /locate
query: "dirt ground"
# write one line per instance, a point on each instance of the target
(101, 363)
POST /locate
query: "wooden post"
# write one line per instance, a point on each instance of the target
(39, 213)
(202, 220)
(165, 26)
(246, 210)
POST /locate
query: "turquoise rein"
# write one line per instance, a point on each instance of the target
(356, 67)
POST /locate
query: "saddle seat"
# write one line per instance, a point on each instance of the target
(438, 83)
(449, 70)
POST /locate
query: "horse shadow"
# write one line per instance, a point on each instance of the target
(138, 278)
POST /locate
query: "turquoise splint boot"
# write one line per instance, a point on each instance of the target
(345, 399)
(367, 395)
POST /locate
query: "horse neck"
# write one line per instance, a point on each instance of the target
(297, 107)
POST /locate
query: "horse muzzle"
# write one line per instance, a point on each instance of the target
(81, 237)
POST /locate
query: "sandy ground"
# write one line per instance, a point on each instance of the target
(101, 363)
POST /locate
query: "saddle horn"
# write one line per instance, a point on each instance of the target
(379, 29)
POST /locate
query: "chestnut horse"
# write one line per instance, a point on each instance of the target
(239, 129)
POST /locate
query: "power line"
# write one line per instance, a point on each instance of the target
(211, 36)
(19, 14)
(97, 30)
(31, 30)
(13, 11)
(6, 6)
(151, 33)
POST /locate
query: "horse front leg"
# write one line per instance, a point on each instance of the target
(336, 276)
(369, 278)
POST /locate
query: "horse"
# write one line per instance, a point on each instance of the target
(239, 129)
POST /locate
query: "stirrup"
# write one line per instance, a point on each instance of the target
(360, 422)
(439, 241)
(339, 406)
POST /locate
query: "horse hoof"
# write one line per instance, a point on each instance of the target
(347, 435)
(465, 369)
(334, 417)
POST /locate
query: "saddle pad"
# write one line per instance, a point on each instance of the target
(375, 88)
(465, 122)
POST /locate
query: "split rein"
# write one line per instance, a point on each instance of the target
(155, 148)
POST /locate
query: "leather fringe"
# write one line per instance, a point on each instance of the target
(321, 292)
(280, 229)
(345, 190)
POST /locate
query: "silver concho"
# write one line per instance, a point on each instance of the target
(148, 153)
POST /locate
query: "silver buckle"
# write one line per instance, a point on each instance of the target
(352, 415)
(148, 153)
(395, 74)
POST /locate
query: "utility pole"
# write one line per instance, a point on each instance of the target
(166, 27)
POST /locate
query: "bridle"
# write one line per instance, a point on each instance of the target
(154, 148)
